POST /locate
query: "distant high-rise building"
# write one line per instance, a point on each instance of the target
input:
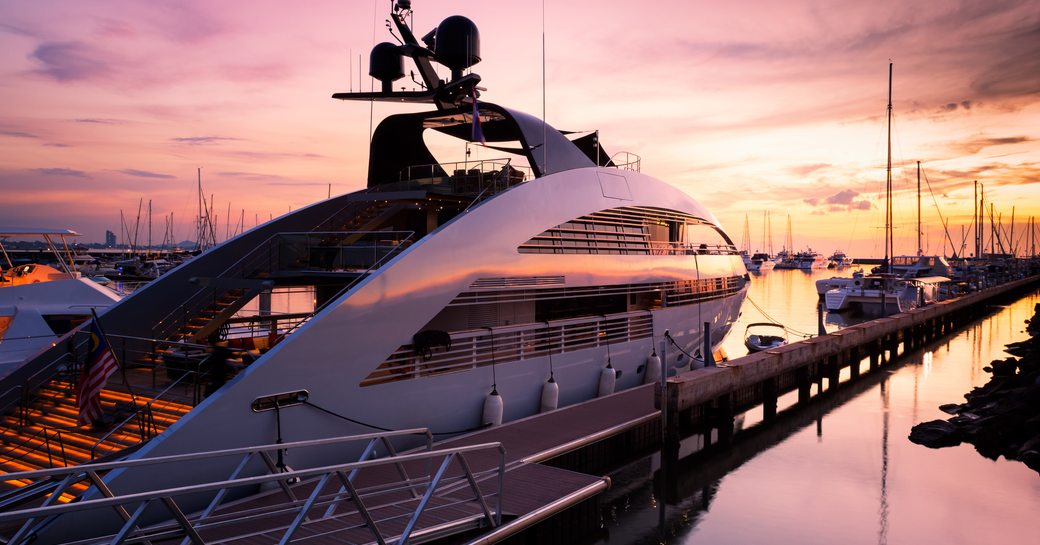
(110, 239)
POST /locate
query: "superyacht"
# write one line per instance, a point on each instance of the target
(442, 288)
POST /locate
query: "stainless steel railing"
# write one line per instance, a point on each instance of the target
(397, 490)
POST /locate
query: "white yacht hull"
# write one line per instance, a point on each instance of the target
(332, 354)
(24, 309)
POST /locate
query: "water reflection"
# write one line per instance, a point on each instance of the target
(855, 478)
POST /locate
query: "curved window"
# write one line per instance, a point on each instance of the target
(632, 230)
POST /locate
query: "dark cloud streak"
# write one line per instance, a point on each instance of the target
(59, 171)
(145, 174)
(203, 140)
(71, 61)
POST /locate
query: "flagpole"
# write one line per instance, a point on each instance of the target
(119, 364)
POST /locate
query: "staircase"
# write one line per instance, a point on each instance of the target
(45, 434)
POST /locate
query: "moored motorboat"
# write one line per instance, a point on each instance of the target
(761, 336)
(839, 260)
(761, 262)
(39, 303)
(874, 294)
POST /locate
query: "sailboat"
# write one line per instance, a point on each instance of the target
(745, 245)
(882, 293)
(763, 261)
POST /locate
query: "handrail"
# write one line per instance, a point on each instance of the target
(140, 410)
(629, 161)
(189, 525)
(45, 430)
(165, 326)
(379, 263)
(29, 385)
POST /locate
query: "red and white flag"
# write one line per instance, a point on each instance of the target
(101, 363)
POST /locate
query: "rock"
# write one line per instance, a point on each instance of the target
(1004, 368)
(936, 434)
(952, 408)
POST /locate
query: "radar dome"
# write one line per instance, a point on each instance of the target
(458, 44)
(386, 64)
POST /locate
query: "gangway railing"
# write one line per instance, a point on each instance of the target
(397, 489)
(291, 250)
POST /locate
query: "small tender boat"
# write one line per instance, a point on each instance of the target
(766, 335)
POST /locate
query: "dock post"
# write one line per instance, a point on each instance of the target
(724, 418)
(833, 371)
(804, 384)
(874, 355)
(820, 329)
(709, 357)
(853, 360)
(669, 430)
(769, 395)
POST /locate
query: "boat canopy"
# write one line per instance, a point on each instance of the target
(7, 231)
(929, 280)
(398, 144)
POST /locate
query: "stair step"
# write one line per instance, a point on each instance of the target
(79, 444)
(162, 412)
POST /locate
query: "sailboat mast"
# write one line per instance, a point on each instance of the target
(769, 229)
(888, 179)
(919, 250)
(975, 218)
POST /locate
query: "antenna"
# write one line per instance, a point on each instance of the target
(545, 148)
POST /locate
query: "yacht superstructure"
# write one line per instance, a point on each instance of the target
(442, 283)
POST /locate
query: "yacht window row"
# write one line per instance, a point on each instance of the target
(632, 230)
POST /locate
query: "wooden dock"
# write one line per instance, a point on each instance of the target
(760, 378)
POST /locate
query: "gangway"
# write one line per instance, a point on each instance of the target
(382, 497)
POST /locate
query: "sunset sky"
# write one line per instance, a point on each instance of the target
(749, 106)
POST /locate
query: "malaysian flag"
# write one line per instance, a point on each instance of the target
(478, 135)
(101, 363)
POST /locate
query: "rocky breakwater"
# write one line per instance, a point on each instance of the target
(1003, 416)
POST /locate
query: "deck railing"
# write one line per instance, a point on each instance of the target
(480, 347)
(396, 491)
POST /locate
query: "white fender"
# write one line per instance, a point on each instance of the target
(652, 372)
(494, 406)
(550, 396)
(607, 379)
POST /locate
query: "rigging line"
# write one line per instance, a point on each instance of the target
(494, 376)
(946, 228)
(548, 332)
(380, 428)
(777, 322)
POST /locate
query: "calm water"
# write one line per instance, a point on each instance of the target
(841, 469)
